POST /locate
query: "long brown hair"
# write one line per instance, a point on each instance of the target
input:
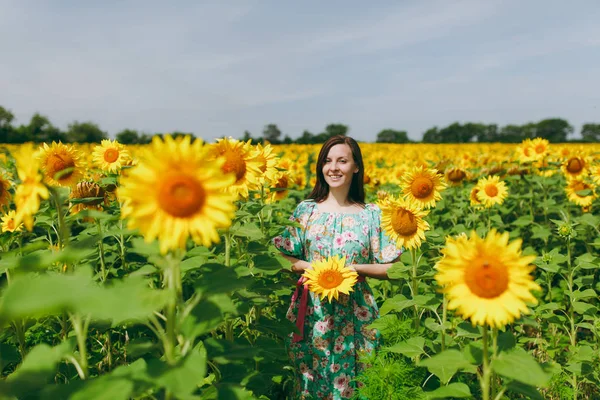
(357, 190)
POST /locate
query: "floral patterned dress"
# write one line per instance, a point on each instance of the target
(333, 334)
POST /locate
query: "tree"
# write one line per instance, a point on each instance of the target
(39, 130)
(271, 133)
(392, 136)
(335, 130)
(306, 138)
(6, 128)
(556, 130)
(432, 135)
(85, 132)
(128, 136)
(591, 132)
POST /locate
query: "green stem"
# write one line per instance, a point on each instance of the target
(444, 318)
(63, 234)
(573, 333)
(173, 283)
(415, 285)
(494, 355)
(227, 248)
(81, 328)
(122, 245)
(485, 379)
(103, 274)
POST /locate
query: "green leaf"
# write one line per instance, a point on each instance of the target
(445, 364)
(523, 221)
(541, 232)
(397, 303)
(398, 271)
(465, 329)
(38, 366)
(250, 231)
(519, 365)
(192, 263)
(218, 279)
(586, 294)
(454, 389)
(207, 315)
(233, 392)
(8, 354)
(270, 265)
(584, 308)
(410, 348)
(182, 378)
(530, 392)
(225, 352)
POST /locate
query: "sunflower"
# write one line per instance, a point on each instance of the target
(486, 280)
(31, 190)
(491, 191)
(61, 164)
(540, 147)
(576, 166)
(475, 202)
(281, 182)
(455, 176)
(330, 277)
(88, 196)
(9, 223)
(268, 163)
(5, 186)
(526, 152)
(575, 192)
(423, 186)
(176, 192)
(110, 155)
(403, 221)
(241, 160)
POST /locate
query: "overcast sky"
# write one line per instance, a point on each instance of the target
(219, 68)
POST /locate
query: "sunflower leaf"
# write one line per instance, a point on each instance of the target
(445, 364)
(410, 348)
(454, 389)
(519, 365)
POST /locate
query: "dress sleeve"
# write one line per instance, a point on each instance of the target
(383, 249)
(290, 241)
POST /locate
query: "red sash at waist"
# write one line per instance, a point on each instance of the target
(304, 305)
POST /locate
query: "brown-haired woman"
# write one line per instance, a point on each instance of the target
(335, 221)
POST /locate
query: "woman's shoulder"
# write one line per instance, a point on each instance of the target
(372, 207)
(305, 206)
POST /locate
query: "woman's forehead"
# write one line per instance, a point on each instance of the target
(340, 150)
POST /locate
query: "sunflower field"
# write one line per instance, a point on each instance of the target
(148, 272)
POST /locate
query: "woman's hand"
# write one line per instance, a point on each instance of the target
(298, 266)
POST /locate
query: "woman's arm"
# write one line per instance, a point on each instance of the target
(378, 271)
(298, 266)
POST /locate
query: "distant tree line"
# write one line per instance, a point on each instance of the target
(39, 129)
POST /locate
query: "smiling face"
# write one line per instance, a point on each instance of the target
(339, 167)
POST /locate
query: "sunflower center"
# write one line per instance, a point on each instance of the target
(487, 278)
(577, 186)
(10, 224)
(330, 279)
(404, 222)
(58, 164)
(540, 148)
(456, 175)
(111, 155)
(181, 195)
(575, 165)
(491, 190)
(282, 182)
(422, 187)
(236, 164)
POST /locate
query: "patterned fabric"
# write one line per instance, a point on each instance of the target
(335, 333)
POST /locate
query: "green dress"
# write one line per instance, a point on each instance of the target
(334, 334)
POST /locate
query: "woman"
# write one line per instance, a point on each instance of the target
(335, 221)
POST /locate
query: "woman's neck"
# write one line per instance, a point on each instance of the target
(338, 198)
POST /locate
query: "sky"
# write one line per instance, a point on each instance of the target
(219, 68)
